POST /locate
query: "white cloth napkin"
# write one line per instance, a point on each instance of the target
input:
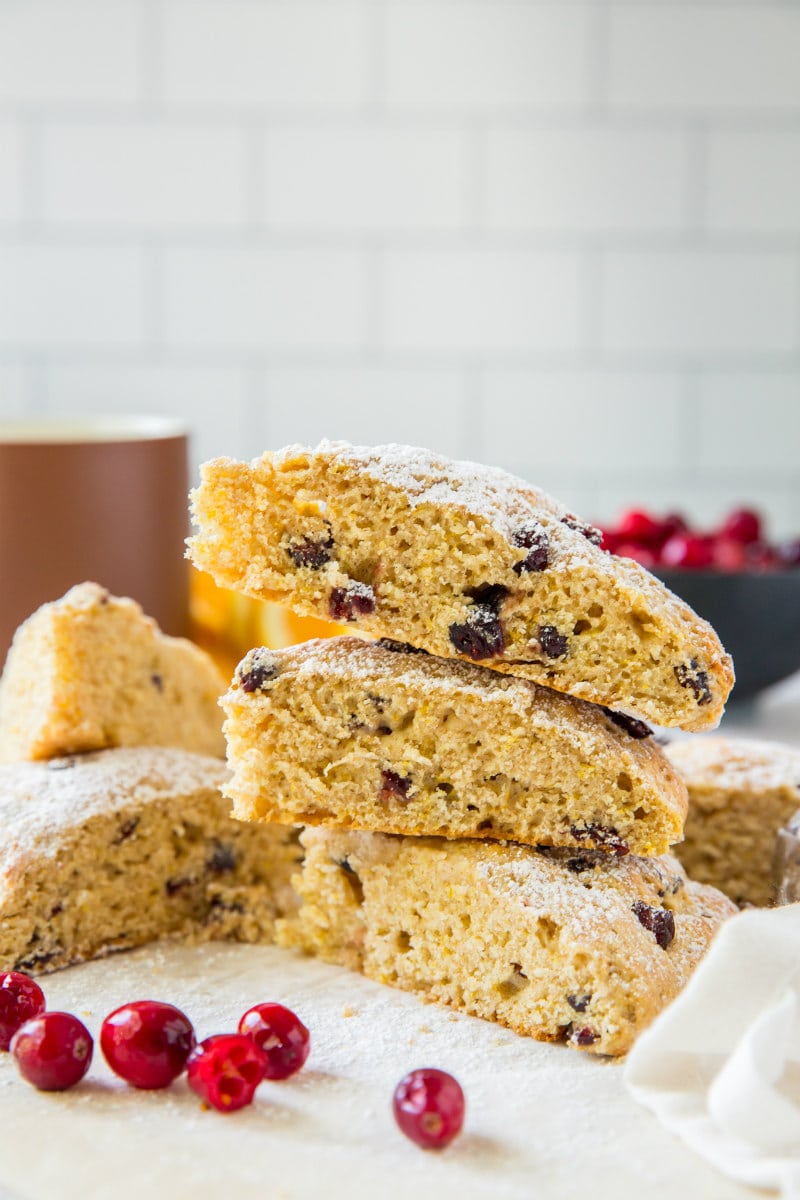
(721, 1066)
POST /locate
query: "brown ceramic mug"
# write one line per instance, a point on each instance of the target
(103, 500)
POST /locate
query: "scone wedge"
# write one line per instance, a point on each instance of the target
(740, 794)
(90, 671)
(109, 850)
(374, 735)
(584, 948)
(463, 561)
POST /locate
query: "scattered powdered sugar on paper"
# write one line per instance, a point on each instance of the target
(542, 1120)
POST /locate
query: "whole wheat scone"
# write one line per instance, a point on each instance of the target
(373, 735)
(463, 561)
(740, 794)
(108, 850)
(562, 946)
(91, 671)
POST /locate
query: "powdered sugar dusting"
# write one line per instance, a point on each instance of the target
(489, 492)
(373, 666)
(737, 765)
(507, 503)
(38, 800)
(529, 1105)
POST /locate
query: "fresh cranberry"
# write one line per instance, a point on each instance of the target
(761, 556)
(686, 550)
(429, 1107)
(742, 525)
(635, 525)
(789, 553)
(728, 555)
(52, 1051)
(20, 999)
(611, 540)
(225, 1070)
(280, 1035)
(147, 1043)
(642, 554)
(673, 523)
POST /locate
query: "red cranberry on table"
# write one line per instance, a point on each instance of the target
(225, 1070)
(429, 1107)
(20, 999)
(147, 1043)
(280, 1035)
(52, 1051)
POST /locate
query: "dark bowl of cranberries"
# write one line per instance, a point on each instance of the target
(747, 587)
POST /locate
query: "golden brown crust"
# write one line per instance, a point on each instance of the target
(460, 560)
(91, 671)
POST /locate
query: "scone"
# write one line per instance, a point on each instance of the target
(563, 946)
(109, 850)
(740, 794)
(463, 561)
(90, 671)
(374, 735)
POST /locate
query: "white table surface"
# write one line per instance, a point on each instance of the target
(543, 1121)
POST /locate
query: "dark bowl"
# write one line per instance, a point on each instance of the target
(757, 617)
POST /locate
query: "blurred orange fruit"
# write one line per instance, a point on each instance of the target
(228, 624)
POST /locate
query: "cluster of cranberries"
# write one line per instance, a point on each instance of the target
(739, 544)
(149, 1044)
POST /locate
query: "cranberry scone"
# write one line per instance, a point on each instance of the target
(375, 735)
(463, 561)
(580, 947)
(741, 793)
(90, 671)
(108, 850)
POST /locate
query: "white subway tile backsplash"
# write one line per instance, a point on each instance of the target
(80, 52)
(212, 401)
(603, 420)
(700, 302)
(754, 180)
(261, 54)
(686, 57)
(371, 405)
(560, 236)
(586, 180)
(257, 299)
(482, 300)
(364, 178)
(485, 55)
(14, 390)
(142, 174)
(750, 420)
(53, 295)
(11, 199)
